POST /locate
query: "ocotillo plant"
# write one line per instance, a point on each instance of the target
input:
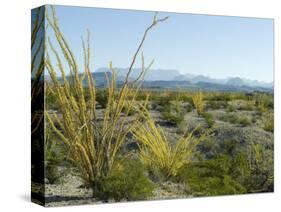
(198, 102)
(93, 145)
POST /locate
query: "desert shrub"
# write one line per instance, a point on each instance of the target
(172, 113)
(229, 169)
(268, 124)
(211, 177)
(188, 108)
(209, 119)
(230, 118)
(249, 106)
(223, 171)
(92, 146)
(186, 98)
(53, 154)
(142, 95)
(173, 118)
(162, 158)
(198, 102)
(178, 101)
(260, 162)
(230, 108)
(163, 100)
(52, 172)
(244, 121)
(214, 105)
(219, 96)
(207, 148)
(228, 96)
(102, 97)
(264, 101)
(50, 100)
(235, 119)
(270, 103)
(130, 111)
(127, 182)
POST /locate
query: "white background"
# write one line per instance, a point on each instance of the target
(15, 104)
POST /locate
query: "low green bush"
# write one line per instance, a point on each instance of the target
(52, 173)
(172, 118)
(127, 182)
(212, 177)
(261, 167)
(187, 99)
(130, 111)
(189, 108)
(235, 119)
(102, 97)
(209, 119)
(264, 101)
(231, 118)
(171, 115)
(228, 168)
(244, 121)
(219, 96)
(215, 105)
(162, 100)
(230, 108)
(50, 101)
(268, 124)
(207, 148)
(54, 156)
(248, 106)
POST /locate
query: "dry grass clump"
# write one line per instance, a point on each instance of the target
(198, 102)
(260, 162)
(163, 158)
(269, 123)
(264, 101)
(209, 118)
(232, 118)
(92, 145)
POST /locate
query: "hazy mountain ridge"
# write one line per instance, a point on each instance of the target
(175, 75)
(172, 79)
(152, 74)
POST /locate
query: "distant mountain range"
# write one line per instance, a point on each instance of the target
(173, 79)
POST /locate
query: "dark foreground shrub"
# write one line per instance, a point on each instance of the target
(212, 177)
(171, 115)
(102, 97)
(52, 172)
(54, 156)
(127, 182)
(173, 118)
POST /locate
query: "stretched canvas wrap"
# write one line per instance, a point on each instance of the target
(134, 105)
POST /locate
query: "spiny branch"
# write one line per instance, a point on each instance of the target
(154, 23)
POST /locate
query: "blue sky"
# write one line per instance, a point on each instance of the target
(215, 46)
